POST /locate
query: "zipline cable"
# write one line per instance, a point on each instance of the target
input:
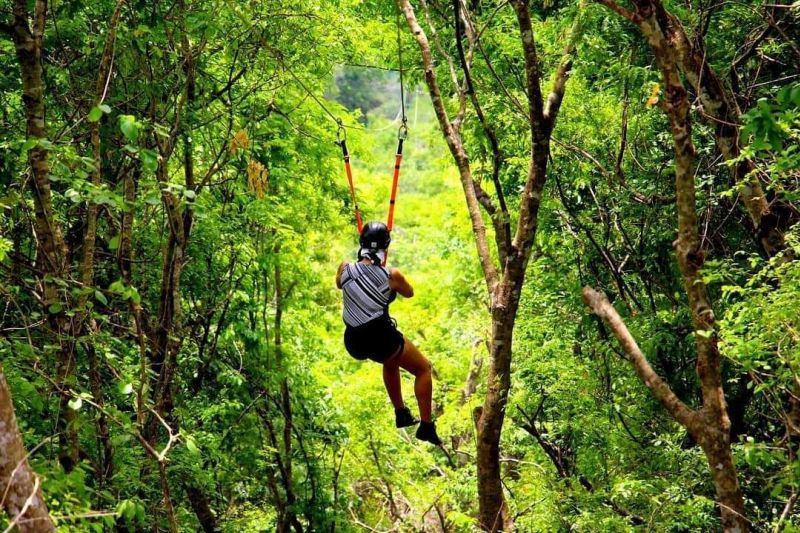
(341, 132)
(401, 113)
(402, 132)
(336, 119)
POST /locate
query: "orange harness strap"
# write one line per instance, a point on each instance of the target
(402, 133)
(346, 156)
(342, 141)
(395, 179)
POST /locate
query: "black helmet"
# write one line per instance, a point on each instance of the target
(375, 236)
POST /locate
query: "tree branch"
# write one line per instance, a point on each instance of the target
(502, 222)
(600, 306)
(556, 95)
(455, 145)
(621, 11)
(540, 149)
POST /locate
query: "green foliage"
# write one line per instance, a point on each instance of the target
(773, 126)
(263, 401)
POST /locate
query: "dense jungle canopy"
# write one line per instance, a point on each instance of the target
(597, 210)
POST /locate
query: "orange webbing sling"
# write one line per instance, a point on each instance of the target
(402, 134)
(341, 140)
(341, 137)
(398, 158)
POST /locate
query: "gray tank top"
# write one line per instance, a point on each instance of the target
(366, 293)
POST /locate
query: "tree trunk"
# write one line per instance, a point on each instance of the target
(710, 426)
(493, 510)
(105, 446)
(179, 219)
(202, 508)
(86, 268)
(720, 105)
(714, 434)
(503, 286)
(710, 433)
(52, 258)
(19, 485)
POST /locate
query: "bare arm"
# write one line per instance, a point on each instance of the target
(339, 274)
(399, 284)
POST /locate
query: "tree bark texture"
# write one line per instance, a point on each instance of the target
(20, 488)
(713, 441)
(720, 105)
(52, 252)
(202, 508)
(721, 108)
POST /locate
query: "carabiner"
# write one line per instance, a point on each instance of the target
(341, 133)
(402, 132)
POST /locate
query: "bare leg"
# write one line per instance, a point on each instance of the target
(412, 360)
(391, 379)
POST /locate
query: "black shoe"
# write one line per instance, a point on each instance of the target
(403, 418)
(427, 432)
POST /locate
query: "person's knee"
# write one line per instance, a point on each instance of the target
(420, 368)
(426, 367)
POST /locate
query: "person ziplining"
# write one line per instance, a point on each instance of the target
(369, 287)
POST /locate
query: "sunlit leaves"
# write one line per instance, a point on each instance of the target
(129, 127)
(97, 112)
(75, 404)
(149, 159)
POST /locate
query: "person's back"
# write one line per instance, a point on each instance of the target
(367, 293)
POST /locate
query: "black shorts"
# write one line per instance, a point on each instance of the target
(377, 340)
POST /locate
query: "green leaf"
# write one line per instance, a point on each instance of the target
(105, 108)
(125, 388)
(152, 199)
(129, 127)
(113, 242)
(118, 287)
(149, 159)
(95, 114)
(133, 295)
(139, 513)
(75, 404)
(55, 308)
(100, 297)
(191, 445)
(73, 195)
(126, 509)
